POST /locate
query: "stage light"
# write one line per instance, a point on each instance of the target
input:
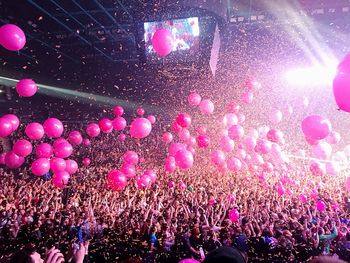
(317, 75)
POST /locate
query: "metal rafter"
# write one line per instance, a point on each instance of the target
(125, 10)
(68, 28)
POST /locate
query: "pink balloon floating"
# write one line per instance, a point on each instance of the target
(60, 179)
(334, 137)
(71, 166)
(6, 127)
(75, 138)
(140, 128)
(184, 159)
(119, 123)
(162, 42)
(233, 107)
(63, 150)
(53, 127)
(86, 161)
(118, 110)
(184, 120)
(26, 88)
(175, 147)
(57, 164)
(131, 157)
(93, 130)
(167, 137)
(341, 85)
(2, 158)
(316, 127)
(170, 164)
(152, 119)
(236, 132)
(218, 157)
(13, 119)
(203, 141)
(140, 112)
(194, 99)
(206, 107)
(13, 161)
(128, 169)
(106, 125)
(40, 166)
(276, 116)
(175, 127)
(247, 97)
(233, 215)
(152, 174)
(44, 150)
(321, 206)
(22, 148)
(35, 131)
(12, 37)
(184, 135)
(121, 137)
(227, 144)
(86, 142)
(234, 164)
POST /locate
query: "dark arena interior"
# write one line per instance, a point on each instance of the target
(174, 131)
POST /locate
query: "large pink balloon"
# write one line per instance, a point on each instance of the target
(34, 131)
(22, 148)
(184, 159)
(93, 130)
(128, 169)
(334, 137)
(144, 181)
(227, 144)
(184, 135)
(183, 119)
(322, 150)
(26, 88)
(53, 127)
(13, 161)
(119, 123)
(13, 119)
(86, 142)
(263, 146)
(57, 164)
(12, 37)
(234, 164)
(236, 132)
(316, 127)
(44, 150)
(194, 99)
(152, 174)
(170, 164)
(59, 141)
(218, 157)
(162, 42)
(63, 150)
(203, 141)
(152, 119)
(71, 166)
(317, 168)
(175, 127)
(206, 107)
(106, 125)
(189, 260)
(75, 138)
(249, 143)
(274, 136)
(140, 128)
(175, 147)
(276, 116)
(40, 166)
(341, 85)
(118, 110)
(60, 179)
(230, 119)
(233, 215)
(247, 97)
(117, 180)
(167, 137)
(131, 157)
(6, 127)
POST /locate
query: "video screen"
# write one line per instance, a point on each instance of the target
(185, 33)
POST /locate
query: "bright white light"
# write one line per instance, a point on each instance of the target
(316, 75)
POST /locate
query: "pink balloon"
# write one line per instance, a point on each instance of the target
(230, 119)
(35, 131)
(322, 150)
(234, 164)
(13, 119)
(333, 138)
(22, 148)
(184, 159)
(332, 168)
(170, 164)
(236, 132)
(316, 127)
(53, 127)
(59, 141)
(152, 174)
(263, 146)
(93, 130)
(233, 107)
(152, 119)
(26, 88)
(233, 215)
(184, 120)
(274, 136)
(191, 141)
(167, 137)
(71, 166)
(162, 42)
(175, 127)
(203, 141)
(40, 166)
(140, 112)
(321, 206)
(44, 150)
(119, 123)
(60, 179)
(201, 130)
(171, 184)
(267, 167)
(13, 161)
(140, 128)
(75, 138)
(57, 164)
(86, 142)
(184, 135)
(302, 198)
(247, 97)
(121, 137)
(144, 181)
(5, 127)
(12, 37)
(241, 154)
(341, 90)
(241, 117)
(131, 157)
(2, 158)
(317, 169)
(63, 150)
(182, 186)
(276, 116)
(118, 110)
(86, 161)
(117, 180)
(249, 143)
(347, 184)
(218, 157)
(128, 169)
(194, 99)
(106, 125)
(175, 147)
(281, 190)
(206, 107)
(227, 144)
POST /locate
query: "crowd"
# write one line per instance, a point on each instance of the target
(168, 223)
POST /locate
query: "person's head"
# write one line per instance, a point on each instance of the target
(27, 255)
(225, 255)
